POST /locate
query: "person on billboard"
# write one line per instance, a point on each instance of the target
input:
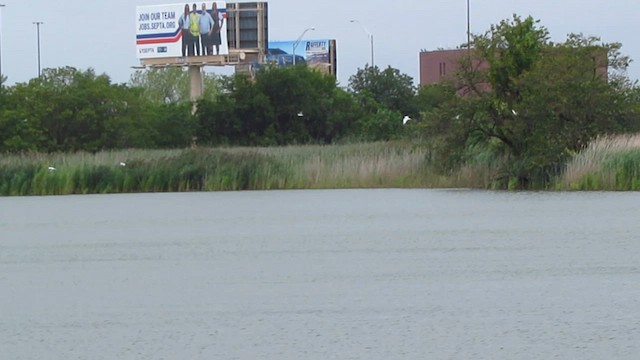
(194, 29)
(184, 22)
(218, 19)
(206, 29)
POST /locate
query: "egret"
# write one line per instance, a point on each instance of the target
(405, 120)
(123, 164)
(51, 168)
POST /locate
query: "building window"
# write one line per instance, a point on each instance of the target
(443, 69)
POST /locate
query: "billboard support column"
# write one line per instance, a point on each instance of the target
(195, 80)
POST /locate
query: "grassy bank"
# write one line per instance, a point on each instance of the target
(212, 169)
(608, 163)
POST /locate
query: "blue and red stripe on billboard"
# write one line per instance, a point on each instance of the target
(159, 38)
(167, 37)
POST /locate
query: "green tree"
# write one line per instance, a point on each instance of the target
(72, 110)
(64, 110)
(162, 85)
(434, 96)
(293, 105)
(171, 84)
(303, 102)
(3, 79)
(389, 88)
(531, 101)
(239, 116)
(147, 124)
(383, 98)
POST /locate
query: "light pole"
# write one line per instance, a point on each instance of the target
(37, 24)
(370, 37)
(468, 27)
(1, 6)
(295, 44)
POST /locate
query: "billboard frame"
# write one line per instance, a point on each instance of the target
(237, 55)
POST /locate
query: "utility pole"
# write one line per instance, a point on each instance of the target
(468, 28)
(37, 24)
(1, 6)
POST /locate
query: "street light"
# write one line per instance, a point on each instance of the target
(37, 24)
(468, 28)
(295, 44)
(1, 6)
(368, 34)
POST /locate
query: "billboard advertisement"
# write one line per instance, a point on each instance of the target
(181, 30)
(317, 54)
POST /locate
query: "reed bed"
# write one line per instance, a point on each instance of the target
(355, 165)
(215, 169)
(607, 163)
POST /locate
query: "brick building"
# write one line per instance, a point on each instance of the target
(441, 65)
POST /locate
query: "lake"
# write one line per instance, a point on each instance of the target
(327, 274)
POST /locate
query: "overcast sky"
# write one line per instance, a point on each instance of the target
(101, 34)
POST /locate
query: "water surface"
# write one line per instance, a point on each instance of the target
(334, 274)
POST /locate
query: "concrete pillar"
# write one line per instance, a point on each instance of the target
(195, 79)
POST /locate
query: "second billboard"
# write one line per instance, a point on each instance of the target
(318, 54)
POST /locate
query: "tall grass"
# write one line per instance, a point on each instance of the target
(607, 163)
(211, 169)
(483, 167)
(354, 165)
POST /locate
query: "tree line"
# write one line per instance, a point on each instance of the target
(532, 105)
(67, 110)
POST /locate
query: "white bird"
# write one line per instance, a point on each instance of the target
(514, 112)
(405, 120)
(51, 168)
(123, 164)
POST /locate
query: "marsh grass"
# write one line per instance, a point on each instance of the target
(482, 168)
(368, 165)
(354, 165)
(607, 163)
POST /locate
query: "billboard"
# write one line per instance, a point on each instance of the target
(180, 30)
(318, 54)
